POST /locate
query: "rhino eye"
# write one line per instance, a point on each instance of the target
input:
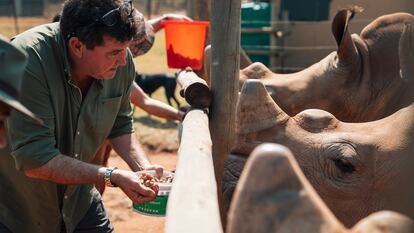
(342, 156)
(344, 166)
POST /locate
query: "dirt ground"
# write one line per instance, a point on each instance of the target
(160, 141)
(118, 205)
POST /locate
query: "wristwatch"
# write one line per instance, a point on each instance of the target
(107, 176)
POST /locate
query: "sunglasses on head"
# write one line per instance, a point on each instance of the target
(112, 17)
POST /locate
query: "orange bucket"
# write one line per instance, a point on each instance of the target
(184, 42)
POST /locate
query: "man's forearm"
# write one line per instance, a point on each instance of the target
(131, 151)
(66, 170)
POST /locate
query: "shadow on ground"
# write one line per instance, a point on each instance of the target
(155, 123)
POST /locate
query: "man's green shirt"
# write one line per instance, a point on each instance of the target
(73, 126)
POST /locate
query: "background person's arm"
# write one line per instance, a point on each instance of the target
(155, 107)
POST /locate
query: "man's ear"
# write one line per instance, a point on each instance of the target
(76, 46)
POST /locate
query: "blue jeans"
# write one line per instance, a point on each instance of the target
(4, 229)
(95, 221)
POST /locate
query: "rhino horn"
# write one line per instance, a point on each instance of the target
(207, 63)
(347, 51)
(385, 221)
(273, 195)
(256, 110)
(406, 52)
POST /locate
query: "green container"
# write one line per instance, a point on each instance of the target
(158, 206)
(256, 15)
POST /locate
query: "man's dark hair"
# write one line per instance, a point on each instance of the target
(82, 18)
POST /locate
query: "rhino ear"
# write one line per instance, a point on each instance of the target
(256, 70)
(346, 47)
(406, 53)
(207, 64)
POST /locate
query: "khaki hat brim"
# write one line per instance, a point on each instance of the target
(12, 102)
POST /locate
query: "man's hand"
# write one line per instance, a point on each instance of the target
(128, 181)
(159, 170)
(176, 17)
(184, 110)
(157, 25)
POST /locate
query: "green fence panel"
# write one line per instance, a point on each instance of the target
(306, 10)
(256, 15)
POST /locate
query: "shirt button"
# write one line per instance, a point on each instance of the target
(66, 196)
(76, 155)
(78, 133)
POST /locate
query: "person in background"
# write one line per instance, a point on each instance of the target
(140, 45)
(12, 64)
(77, 81)
(56, 18)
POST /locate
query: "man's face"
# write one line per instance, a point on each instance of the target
(4, 114)
(102, 61)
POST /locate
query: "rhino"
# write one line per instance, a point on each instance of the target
(357, 83)
(273, 195)
(362, 94)
(356, 168)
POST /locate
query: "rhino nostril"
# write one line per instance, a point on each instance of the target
(344, 166)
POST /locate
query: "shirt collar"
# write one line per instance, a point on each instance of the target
(64, 52)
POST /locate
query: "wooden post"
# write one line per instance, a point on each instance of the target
(149, 9)
(198, 9)
(225, 65)
(192, 203)
(285, 19)
(190, 8)
(274, 17)
(194, 89)
(16, 5)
